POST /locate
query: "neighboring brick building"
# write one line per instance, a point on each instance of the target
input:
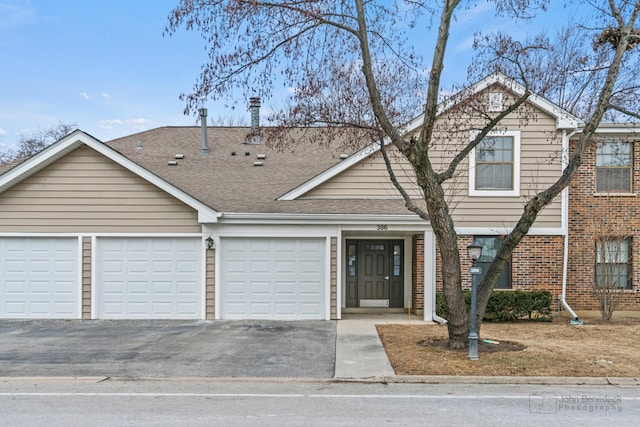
(606, 205)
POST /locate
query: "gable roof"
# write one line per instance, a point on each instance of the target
(78, 138)
(564, 120)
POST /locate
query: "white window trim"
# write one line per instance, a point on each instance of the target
(516, 168)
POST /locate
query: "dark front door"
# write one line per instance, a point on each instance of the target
(375, 276)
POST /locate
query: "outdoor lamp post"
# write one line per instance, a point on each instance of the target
(474, 251)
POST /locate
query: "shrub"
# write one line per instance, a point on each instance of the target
(508, 305)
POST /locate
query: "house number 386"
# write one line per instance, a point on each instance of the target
(382, 227)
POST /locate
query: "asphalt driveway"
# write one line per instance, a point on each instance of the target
(163, 349)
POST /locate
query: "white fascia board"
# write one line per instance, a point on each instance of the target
(262, 218)
(501, 231)
(616, 130)
(77, 138)
(42, 159)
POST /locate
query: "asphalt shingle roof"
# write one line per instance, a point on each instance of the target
(231, 183)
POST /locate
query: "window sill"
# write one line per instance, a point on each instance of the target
(494, 193)
(615, 194)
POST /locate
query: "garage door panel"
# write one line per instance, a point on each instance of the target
(39, 277)
(160, 279)
(279, 278)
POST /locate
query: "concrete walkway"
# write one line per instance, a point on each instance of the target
(359, 352)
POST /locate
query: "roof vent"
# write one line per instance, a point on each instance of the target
(233, 153)
(262, 156)
(258, 163)
(179, 156)
(203, 125)
(172, 163)
(344, 156)
(247, 153)
(139, 145)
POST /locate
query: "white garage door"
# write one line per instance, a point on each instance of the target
(149, 278)
(39, 278)
(280, 279)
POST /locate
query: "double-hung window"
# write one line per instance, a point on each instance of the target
(613, 263)
(494, 165)
(490, 247)
(614, 160)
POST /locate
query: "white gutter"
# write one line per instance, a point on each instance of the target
(565, 226)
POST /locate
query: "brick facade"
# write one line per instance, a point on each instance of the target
(536, 265)
(417, 273)
(592, 214)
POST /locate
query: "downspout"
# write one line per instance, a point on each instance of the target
(432, 263)
(565, 225)
(434, 316)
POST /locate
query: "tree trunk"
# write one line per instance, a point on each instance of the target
(447, 239)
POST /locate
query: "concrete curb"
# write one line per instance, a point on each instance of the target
(395, 379)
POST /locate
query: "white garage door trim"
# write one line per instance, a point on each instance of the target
(149, 278)
(273, 278)
(40, 278)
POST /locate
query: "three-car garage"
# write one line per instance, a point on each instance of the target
(140, 277)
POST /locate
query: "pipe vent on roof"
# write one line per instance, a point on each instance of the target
(203, 126)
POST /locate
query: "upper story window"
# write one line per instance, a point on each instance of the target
(614, 160)
(494, 165)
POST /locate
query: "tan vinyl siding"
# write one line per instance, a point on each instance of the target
(87, 192)
(540, 166)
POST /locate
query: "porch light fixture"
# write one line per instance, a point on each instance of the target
(209, 242)
(474, 251)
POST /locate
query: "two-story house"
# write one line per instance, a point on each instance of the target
(212, 223)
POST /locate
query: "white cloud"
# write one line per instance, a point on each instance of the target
(85, 96)
(109, 124)
(105, 95)
(139, 121)
(13, 16)
(3, 132)
(137, 124)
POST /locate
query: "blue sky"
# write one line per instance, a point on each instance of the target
(105, 65)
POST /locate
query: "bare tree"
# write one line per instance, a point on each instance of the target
(30, 144)
(350, 67)
(611, 250)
